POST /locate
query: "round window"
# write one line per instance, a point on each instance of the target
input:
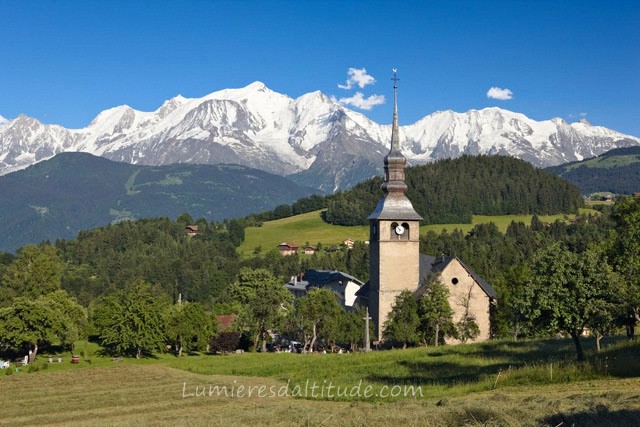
(454, 280)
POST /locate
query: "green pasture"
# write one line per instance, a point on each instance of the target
(525, 383)
(310, 228)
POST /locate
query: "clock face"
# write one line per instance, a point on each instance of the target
(399, 229)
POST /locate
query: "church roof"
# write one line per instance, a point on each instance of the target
(394, 207)
(431, 264)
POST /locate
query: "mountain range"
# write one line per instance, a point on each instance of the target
(57, 198)
(312, 139)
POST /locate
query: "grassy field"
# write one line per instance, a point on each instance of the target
(500, 383)
(310, 227)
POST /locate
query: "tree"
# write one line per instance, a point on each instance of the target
(265, 302)
(402, 325)
(225, 341)
(318, 315)
(53, 318)
(436, 316)
(467, 328)
(626, 259)
(188, 325)
(131, 322)
(566, 291)
(36, 271)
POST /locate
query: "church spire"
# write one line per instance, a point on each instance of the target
(394, 162)
(394, 204)
(395, 136)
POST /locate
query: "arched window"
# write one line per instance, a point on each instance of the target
(399, 231)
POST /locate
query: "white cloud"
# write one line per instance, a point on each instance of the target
(357, 77)
(359, 101)
(573, 116)
(499, 93)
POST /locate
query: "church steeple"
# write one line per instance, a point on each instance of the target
(394, 234)
(394, 204)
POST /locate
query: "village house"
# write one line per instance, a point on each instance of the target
(191, 230)
(343, 284)
(288, 248)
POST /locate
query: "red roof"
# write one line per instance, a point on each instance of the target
(289, 245)
(226, 320)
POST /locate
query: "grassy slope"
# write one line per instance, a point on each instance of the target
(310, 227)
(154, 392)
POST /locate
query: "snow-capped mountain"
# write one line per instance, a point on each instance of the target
(313, 139)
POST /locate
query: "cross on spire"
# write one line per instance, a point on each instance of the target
(395, 78)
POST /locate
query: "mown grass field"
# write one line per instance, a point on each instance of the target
(499, 383)
(310, 227)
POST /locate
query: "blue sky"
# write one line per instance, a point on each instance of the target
(63, 62)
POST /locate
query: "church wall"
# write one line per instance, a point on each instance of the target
(395, 263)
(479, 302)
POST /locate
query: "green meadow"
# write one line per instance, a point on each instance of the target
(310, 228)
(499, 383)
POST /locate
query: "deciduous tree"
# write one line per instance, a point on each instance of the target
(436, 316)
(48, 319)
(188, 325)
(402, 325)
(265, 302)
(131, 322)
(566, 291)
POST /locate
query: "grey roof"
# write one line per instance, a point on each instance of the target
(364, 290)
(322, 277)
(300, 285)
(431, 264)
(395, 207)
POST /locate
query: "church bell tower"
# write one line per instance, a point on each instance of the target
(394, 234)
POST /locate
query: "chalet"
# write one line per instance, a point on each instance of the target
(309, 250)
(191, 230)
(348, 243)
(288, 248)
(343, 284)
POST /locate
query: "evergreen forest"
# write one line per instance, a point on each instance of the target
(451, 191)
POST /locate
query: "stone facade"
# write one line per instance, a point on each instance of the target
(394, 266)
(466, 294)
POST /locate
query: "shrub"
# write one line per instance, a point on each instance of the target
(225, 342)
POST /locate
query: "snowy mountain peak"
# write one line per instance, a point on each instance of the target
(3, 121)
(315, 140)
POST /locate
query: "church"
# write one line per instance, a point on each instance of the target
(395, 260)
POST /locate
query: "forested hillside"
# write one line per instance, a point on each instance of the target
(77, 191)
(616, 171)
(452, 190)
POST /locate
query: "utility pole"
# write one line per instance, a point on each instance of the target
(367, 346)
